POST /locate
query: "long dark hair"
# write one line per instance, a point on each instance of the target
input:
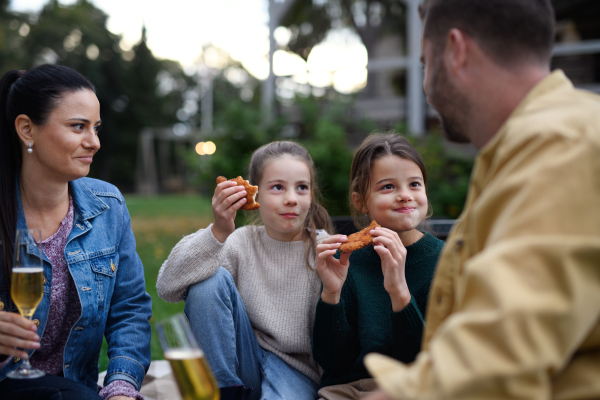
(317, 217)
(35, 93)
(374, 147)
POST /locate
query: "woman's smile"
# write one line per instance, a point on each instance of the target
(87, 159)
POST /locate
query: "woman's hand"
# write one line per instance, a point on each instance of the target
(393, 257)
(17, 331)
(332, 272)
(228, 198)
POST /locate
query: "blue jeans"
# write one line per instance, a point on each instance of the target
(220, 323)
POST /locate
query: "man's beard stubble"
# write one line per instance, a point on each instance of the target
(451, 106)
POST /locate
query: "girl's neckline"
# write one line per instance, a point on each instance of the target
(263, 232)
(417, 233)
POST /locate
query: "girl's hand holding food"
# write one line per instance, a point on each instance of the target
(16, 333)
(393, 256)
(332, 271)
(228, 198)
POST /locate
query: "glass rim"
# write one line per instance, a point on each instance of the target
(185, 332)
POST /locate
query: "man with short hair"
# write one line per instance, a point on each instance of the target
(514, 309)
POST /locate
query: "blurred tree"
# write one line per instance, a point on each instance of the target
(127, 80)
(310, 20)
(13, 28)
(238, 131)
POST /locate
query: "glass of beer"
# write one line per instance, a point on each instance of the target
(27, 286)
(190, 369)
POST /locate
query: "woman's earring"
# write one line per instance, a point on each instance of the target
(29, 149)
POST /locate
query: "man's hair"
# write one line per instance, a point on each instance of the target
(509, 31)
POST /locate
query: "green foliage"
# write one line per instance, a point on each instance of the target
(324, 136)
(333, 159)
(240, 130)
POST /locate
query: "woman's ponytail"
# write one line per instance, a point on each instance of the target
(10, 162)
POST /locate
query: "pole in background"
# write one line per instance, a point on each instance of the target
(416, 98)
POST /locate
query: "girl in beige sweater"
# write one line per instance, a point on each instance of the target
(251, 292)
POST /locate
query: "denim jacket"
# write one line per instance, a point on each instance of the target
(109, 277)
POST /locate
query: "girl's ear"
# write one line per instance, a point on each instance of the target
(358, 203)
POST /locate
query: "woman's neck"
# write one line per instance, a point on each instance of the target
(410, 237)
(45, 201)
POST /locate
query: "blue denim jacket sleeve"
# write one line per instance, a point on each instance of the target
(128, 318)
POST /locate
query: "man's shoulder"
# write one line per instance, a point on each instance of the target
(571, 115)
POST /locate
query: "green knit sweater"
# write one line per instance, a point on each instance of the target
(363, 321)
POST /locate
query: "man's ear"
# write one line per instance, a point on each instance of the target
(24, 127)
(455, 53)
(358, 203)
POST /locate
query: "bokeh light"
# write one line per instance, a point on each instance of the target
(209, 147)
(206, 148)
(200, 148)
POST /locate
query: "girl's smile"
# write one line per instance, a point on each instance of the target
(289, 215)
(405, 210)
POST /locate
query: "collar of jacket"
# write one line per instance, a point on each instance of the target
(85, 202)
(557, 80)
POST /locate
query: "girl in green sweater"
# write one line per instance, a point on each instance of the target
(374, 299)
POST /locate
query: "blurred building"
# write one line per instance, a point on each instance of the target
(393, 92)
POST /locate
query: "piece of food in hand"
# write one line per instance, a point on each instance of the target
(360, 239)
(251, 191)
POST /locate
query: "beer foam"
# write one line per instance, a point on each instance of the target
(27, 270)
(183, 354)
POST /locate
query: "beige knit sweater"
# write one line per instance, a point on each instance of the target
(279, 292)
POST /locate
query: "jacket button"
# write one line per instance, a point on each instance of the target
(16, 359)
(67, 366)
(45, 280)
(112, 266)
(36, 322)
(459, 245)
(1, 306)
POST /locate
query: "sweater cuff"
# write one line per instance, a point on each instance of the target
(209, 242)
(408, 316)
(331, 313)
(120, 388)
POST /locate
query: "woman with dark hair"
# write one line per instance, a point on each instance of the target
(93, 278)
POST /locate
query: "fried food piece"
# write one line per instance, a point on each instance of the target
(250, 190)
(360, 239)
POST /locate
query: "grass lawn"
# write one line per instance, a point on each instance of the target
(158, 223)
